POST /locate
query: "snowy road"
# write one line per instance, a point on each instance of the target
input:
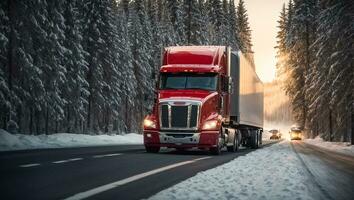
(90, 172)
(278, 171)
(332, 173)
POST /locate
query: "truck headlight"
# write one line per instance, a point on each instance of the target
(149, 123)
(210, 124)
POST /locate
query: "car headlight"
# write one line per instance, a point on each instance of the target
(149, 123)
(210, 124)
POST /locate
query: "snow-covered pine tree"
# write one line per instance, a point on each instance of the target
(140, 32)
(206, 29)
(75, 90)
(281, 47)
(215, 13)
(175, 10)
(111, 70)
(192, 22)
(334, 67)
(5, 103)
(225, 25)
(95, 46)
(125, 62)
(30, 33)
(168, 35)
(233, 36)
(152, 11)
(244, 31)
(302, 35)
(53, 67)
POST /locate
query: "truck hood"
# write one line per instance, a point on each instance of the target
(198, 95)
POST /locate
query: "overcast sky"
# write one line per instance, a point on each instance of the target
(263, 16)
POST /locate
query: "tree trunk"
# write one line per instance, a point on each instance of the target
(106, 120)
(46, 120)
(10, 64)
(75, 124)
(127, 121)
(352, 135)
(37, 122)
(56, 126)
(330, 125)
(89, 113)
(31, 121)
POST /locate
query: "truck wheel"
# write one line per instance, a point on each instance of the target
(234, 147)
(254, 140)
(259, 139)
(152, 149)
(216, 150)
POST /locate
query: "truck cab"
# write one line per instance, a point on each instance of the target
(192, 107)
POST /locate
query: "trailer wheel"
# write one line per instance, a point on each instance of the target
(259, 138)
(152, 149)
(254, 139)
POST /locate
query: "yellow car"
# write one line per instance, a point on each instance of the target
(296, 134)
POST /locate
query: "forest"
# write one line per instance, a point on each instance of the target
(315, 55)
(88, 66)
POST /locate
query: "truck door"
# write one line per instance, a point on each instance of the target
(224, 97)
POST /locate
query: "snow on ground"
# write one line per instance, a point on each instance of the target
(271, 173)
(61, 140)
(341, 147)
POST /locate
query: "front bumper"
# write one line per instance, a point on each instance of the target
(203, 139)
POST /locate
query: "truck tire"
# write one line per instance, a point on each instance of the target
(259, 139)
(234, 147)
(254, 140)
(152, 149)
(216, 150)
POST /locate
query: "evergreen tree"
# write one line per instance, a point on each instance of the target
(233, 36)
(175, 11)
(128, 83)
(96, 47)
(244, 31)
(141, 37)
(53, 67)
(206, 27)
(5, 103)
(75, 91)
(192, 22)
(303, 34)
(215, 13)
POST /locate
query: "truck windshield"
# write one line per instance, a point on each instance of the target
(206, 81)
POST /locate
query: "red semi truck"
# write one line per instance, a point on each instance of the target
(208, 97)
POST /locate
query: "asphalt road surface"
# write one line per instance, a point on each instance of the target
(128, 172)
(332, 173)
(114, 172)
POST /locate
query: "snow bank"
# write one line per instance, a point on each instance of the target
(341, 147)
(271, 173)
(61, 140)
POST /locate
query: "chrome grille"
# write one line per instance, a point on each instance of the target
(179, 117)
